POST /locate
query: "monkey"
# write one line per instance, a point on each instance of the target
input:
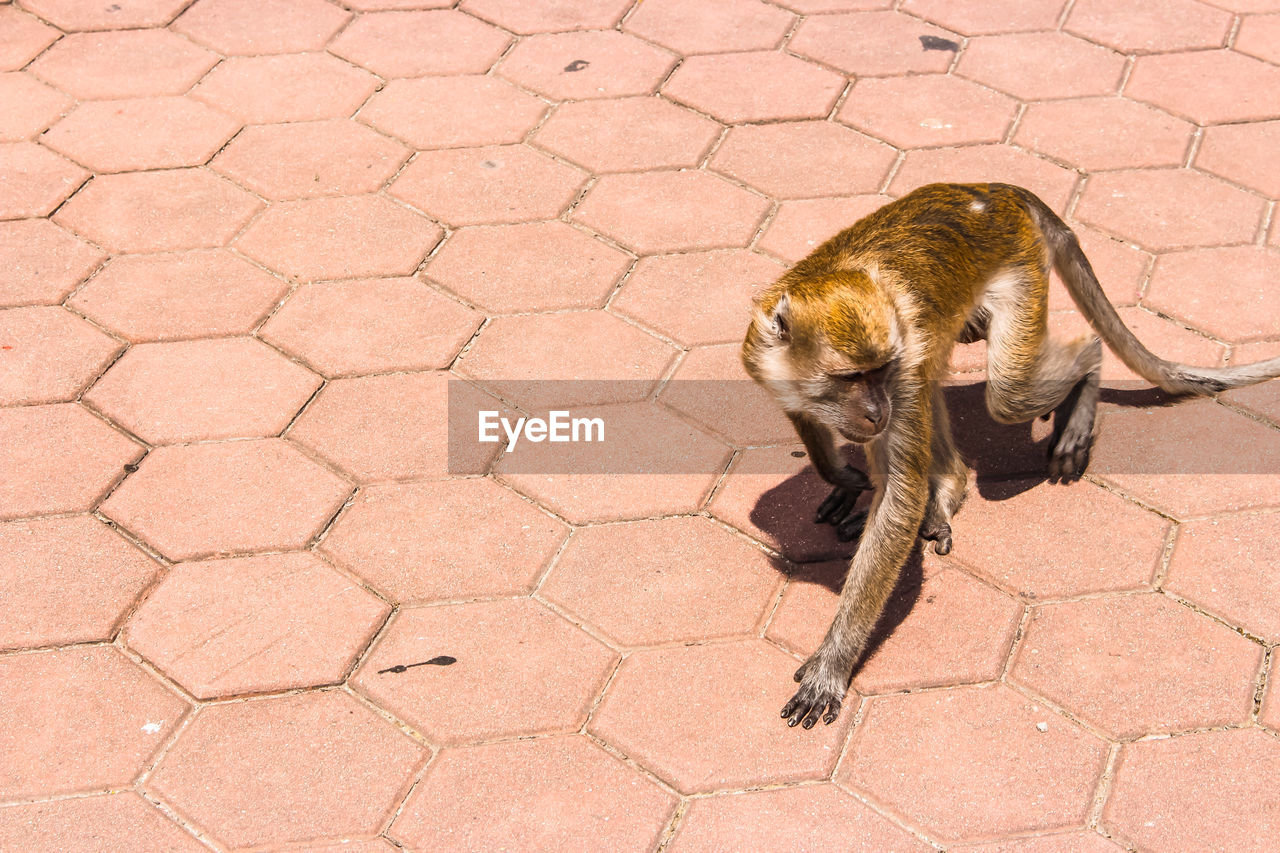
(854, 340)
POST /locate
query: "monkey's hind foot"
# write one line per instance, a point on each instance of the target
(939, 533)
(819, 691)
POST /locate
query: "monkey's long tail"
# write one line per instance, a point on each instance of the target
(1070, 261)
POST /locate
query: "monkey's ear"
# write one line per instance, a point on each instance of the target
(780, 319)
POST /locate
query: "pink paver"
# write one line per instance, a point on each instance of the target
(1246, 299)
(536, 16)
(977, 164)
(1223, 565)
(452, 112)
(1239, 152)
(800, 226)
(126, 64)
(49, 354)
(952, 110)
(580, 65)
(418, 44)
(22, 37)
(116, 821)
(255, 27)
(872, 44)
(1211, 86)
(34, 180)
(628, 134)
(743, 87)
(42, 262)
(1042, 66)
(724, 27)
(71, 15)
(30, 106)
(712, 389)
(1150, 26)
(990, 17)
(1104, 133)
(288, 87)
(804, 159)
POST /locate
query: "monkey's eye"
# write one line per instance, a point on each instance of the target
(852, 376)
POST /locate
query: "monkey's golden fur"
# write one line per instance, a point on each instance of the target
(855, 339)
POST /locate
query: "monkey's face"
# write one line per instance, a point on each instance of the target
(862, 402)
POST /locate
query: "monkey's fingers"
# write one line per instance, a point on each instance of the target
(851, 528)
(939, 534)
(855, 479)
(835, 506)
(807, 706)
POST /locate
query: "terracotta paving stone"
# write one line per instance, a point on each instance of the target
(501, 183)
(1158, 798)
(871, 44)
(1246, 300)
(1208, 87)
(178, 295)
(1041, 540)
(951, 111)
(127, 64)
(520, 670)
(49, 354)
(1225, 565)
(453, 112)
(1138, 665)
(653, 212)
(343, 237)
(376, 845)
(417, 43)
(1139, 204)
(167, 393)
(810, 817)
(141, 133)
(808, 604)
(451, 539)
(689, 28)
(1261, 399)
(1189, 460)
(290, 87)
(974, 762)
(1104, 133)
(614, 480)
(1167, 338)
(1150, 26)
(30, 106)
(1066, 842)
(79, 719)
(1041, 66)
(663, 698)
(158, 211)
(34, 180)
(1257, 36)
(1121, 268)
(204, 499)
(58, 458)
(712, 388)
(673, 579)
(1239, 152)
(977, 163)
(696, 297)
(358, 767)
(371, 326)
(1270, 715)
(755, 86)
(22, 38)
(537, 16)
(804, 159)
(628, 134)
(100, 824)
(801, 225)
(579, 65)
(256, 27)
(70, 15)
(545, 794)
(248, 624)
(66, 580)
(988, 17)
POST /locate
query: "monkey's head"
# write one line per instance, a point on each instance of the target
(827, 348)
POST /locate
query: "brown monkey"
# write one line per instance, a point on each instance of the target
(854, 339)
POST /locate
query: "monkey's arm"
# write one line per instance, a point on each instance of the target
(849, 482)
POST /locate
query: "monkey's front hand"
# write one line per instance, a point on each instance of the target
(838, 508)
(822, 687)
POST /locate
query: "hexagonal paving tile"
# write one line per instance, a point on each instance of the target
(720, 28)
(34, 180)
(1270, 714)
(757, 86)
(1207, 86)
(167, 393)
(42, 262)
(473, 186)
(674, 579)
(1167, 338)
(452, 112)
(992, 16)
(876, 43)
(1159, 800)
(250, 624)
(1059, 842)
(1223, 565)
(1137, 204)
(120, 821)
(341, 237)
(445, 540)
(1138, 665)
(1247, 302)
(205, 292)
(520, 670)
(155, 211)
(493, 267)
(1104, 133)
(24, 37)
(662, 699)
(974, 761)
(800, 226)
(628, 134)
(371, 326)
(417, 44)
(1041, 66)
(1122, 269)
(307, 159)
(804, 159)
(578, 65)
(536, 16)
(30, 106)
(1240, 152)
(141, 133)
(127, 64)
(58, 458)
(204, 499)
(809, 817)
(233, 770)
(70, 15)
(1150, 26)
(977, 163)
(289, 87)
(539, 794)
(256, 27)
(1257, 36)
(66, 580)
(1264, 399)
(696, 297)
(712, 389)
(653, 212)
(48, 354)
(946, 110)
(79, 719)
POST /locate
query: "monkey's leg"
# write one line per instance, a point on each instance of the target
(948, 480)
(850, 483)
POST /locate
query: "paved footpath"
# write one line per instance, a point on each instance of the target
(246, 244)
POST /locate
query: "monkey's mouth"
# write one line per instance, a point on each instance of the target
(858, 436)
